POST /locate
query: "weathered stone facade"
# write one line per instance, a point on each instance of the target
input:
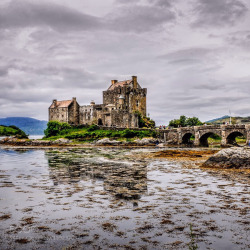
(64, 111)
(120, 103)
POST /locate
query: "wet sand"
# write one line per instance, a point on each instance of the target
(111, 198)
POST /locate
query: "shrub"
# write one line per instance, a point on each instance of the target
(55, 128)
(144, 121)
(127, 133)
(92, 127)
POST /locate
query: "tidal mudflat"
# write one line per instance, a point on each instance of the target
(106, 198)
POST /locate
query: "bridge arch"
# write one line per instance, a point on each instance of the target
(203, 141)
(186, 138)
(231, 138)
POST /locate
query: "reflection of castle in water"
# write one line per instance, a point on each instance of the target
(124, 180)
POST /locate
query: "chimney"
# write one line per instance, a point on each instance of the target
(134, 79)
(113, 81)
(54, 102)
(74, 99)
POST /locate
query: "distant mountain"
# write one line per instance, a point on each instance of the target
(218, 119)
(226, 119)
(29, 125)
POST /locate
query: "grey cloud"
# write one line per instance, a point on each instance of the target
(163, 3)
(219, 13)
(210, 86)
(18, 14)
(126, 2)
(125, 18)
(3, 71)
(39, 64)
(186, 56)
(240, 39)
(142, 18)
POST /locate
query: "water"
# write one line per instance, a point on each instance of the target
(30, 137)
(117, 198)
(36, 137)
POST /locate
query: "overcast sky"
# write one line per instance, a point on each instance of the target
(193, 56)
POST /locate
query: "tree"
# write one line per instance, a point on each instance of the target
(54, 128)
(174, 123)
(184, 121)
(193, 121)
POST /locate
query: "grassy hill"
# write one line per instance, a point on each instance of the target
(226, 119)
(29, 125)
(12, 131)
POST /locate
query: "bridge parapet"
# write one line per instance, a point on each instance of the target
(206, 127)
(228, 134)
(235, 126)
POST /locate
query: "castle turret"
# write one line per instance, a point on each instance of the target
(134, 79)
(54, 102)
(75, 120)
(113, 81)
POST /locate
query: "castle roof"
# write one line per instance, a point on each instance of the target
(122, 84)
(61, 104)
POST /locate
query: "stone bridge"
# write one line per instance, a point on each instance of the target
(228, 133)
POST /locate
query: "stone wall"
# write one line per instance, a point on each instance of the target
(134, 99)
(86, 114)
(58, 114)
(73, 113)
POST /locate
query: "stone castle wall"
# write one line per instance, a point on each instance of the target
(120, 102)
(134, 99)
(58, 114)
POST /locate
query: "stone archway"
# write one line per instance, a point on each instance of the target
(231, 138)
(186, 139)
(99, 122)
(204, 139)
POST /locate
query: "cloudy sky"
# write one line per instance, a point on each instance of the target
(192, 55)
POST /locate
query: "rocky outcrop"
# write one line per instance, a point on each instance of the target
(65, 142)
(107, 142)
(24, 142)
(238, 158)
(147, 142)
(138, 142)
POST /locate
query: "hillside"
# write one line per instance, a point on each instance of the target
(29, 125)
(226, 119)
(12, 131)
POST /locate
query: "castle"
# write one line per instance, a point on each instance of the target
(120, 102)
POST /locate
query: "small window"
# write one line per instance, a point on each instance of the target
(137, 103)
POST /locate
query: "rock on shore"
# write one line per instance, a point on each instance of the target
(24, 142)
(138, 142)
(238, 158)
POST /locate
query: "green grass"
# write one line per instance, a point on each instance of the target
(12, 131)
(89, 134)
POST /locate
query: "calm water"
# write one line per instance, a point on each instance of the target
(117, 199)
(30, 137)
(36, 136)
